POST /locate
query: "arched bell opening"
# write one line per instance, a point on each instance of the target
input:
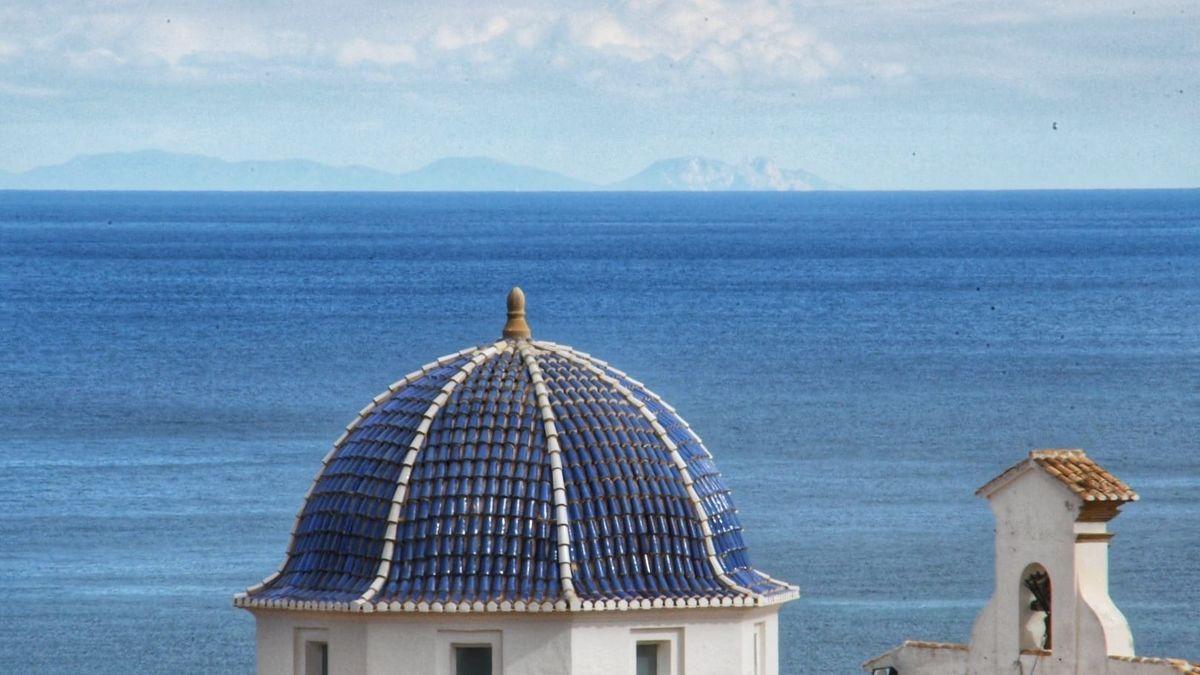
(1035, 604)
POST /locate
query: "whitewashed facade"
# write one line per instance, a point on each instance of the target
(717, 641)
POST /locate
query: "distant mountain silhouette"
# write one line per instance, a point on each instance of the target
(159, 170)
(703, 174)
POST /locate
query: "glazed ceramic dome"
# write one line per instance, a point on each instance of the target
(517, 475)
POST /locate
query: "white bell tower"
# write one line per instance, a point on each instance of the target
(1051, 596)
(1050, 613)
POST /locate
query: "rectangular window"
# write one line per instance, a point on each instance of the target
(657, 651)
(469, 652)
(316, 658)
(647, 658)
(760, 648)
(310, 651)
(472, 660)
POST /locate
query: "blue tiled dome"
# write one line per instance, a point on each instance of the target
(517, 475)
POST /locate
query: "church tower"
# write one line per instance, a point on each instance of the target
(1050, 612)
(1051, 596)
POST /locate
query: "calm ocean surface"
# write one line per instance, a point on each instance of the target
(174, 366)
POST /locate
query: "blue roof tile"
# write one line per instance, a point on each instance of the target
(477, 521)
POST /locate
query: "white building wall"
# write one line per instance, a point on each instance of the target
(701, 641)
(281, 638)
(423, 644)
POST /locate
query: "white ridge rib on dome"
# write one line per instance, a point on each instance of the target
(562, 520)
(680, 463)
(341, 440)
(410, 458)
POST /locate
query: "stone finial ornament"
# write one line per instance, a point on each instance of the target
(516, 328)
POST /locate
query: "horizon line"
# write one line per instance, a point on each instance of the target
(602, 190)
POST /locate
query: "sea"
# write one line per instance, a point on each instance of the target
(173, 367)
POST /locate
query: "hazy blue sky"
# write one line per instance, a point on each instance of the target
(893, 94)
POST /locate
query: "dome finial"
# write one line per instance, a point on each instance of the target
(516, 328)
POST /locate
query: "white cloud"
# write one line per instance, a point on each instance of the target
(652, 45)
(635, 47)
(888, 70)
(449, 37)
(608, 32)
(26, 91)
(99, 58)
(109, 43)
(360, 51)
(700, 43)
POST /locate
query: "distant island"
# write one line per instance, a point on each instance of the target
(160, 170)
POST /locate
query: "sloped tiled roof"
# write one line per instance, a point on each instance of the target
(1075, 470)
(1178, 665)
(874, 661)
(517, 475)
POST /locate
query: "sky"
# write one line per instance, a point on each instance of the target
(895, 94)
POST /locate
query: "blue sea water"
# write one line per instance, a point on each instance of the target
(174, 366)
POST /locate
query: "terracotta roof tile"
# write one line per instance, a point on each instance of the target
(923, 644)
(914, 644)
(1082, 476)
(1178, 664)
(1075, 470)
